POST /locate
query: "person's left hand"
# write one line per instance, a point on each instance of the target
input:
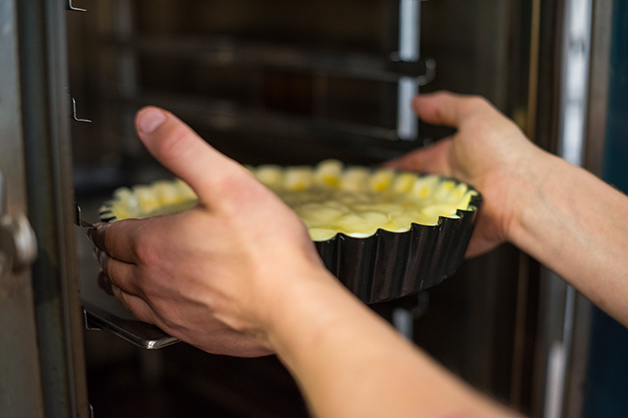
(213, 276)
(488, 151)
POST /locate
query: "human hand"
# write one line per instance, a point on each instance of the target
(210, 276)
(488, 152)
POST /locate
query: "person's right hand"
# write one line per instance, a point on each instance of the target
(218, 275)
(488, 152)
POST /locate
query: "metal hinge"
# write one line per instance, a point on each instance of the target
(18, 244)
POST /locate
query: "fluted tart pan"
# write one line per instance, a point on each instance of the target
(383, 234)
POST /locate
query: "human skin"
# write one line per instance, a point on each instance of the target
(560, 214)
(239, 274)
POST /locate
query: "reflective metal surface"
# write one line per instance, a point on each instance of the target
(123, 325)
(405, 68)
(45, 116)
(71, 6)
(409, 52)
(229, 51)
(565, 326)
(261, 110)
(596, 120)
(20, 383)
(227, 116)
(18, 244)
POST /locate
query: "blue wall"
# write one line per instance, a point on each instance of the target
(607, 383)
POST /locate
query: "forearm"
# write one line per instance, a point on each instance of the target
(349, 362)
(576, 225)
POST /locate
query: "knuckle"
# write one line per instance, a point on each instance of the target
(477, 102)
(239, 192)
(147, 242)
(477, 110)
(444, 94)
(145, 253)
(145, 248)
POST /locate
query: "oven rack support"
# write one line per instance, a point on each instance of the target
(403, 68)
(397, 68)
(73, 8)
(403, 71)
(227, 51)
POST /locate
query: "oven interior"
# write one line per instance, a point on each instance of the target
(292, 83)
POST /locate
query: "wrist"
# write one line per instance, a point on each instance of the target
(528, 201)
(308, 315)
(293, 301)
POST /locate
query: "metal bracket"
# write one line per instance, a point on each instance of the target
(134, 331)
(89, 324)
(76, 118)
(78, 219)
(18, 244)
(430, 72)
(73, 8)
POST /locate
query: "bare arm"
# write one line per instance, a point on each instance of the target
(350, 363)
(565, 217)
(577, 225)
(239, 275)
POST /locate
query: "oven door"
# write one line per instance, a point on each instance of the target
(42, 369)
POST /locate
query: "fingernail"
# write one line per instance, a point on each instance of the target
(150, 119)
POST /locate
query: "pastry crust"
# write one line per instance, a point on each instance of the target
(383, 234)
(330, 198)
(356, 201)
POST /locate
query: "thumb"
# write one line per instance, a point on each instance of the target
(178, 148)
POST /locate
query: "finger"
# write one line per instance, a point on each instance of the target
(117, 239)
(176, 146)
(104, 283)
(432, 159)
(122, 275)
(438, 108)
(137, 306)
(449, 109)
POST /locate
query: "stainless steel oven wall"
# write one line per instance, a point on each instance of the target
(41, 367)
(20, 381)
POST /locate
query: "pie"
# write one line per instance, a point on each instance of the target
(383, 234)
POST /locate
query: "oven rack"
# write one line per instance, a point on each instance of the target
(399, 68)
(230, 51)
(231, 116)
(227, 115)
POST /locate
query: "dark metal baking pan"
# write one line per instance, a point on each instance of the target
(389, 265)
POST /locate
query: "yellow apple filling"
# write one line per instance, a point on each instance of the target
(329, 198)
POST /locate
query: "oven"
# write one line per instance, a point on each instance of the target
(264, 82)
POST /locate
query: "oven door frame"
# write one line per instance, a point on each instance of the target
(42, 370)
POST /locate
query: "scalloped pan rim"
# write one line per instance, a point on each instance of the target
(388, 265)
